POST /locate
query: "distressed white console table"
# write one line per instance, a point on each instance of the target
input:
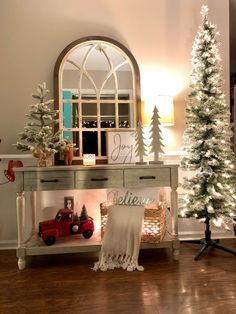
(56, 178)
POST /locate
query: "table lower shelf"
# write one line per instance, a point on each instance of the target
(75, 244)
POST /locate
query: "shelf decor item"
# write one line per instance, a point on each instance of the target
(121, 147)
(38, 136)
(156, 139)
(89, 159)
(65, 223)
(210, 191)
(140, 146)
(69, 153)
(154, 223)
(84, 214)
(69, 202)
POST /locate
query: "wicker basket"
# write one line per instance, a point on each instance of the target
(154, 225)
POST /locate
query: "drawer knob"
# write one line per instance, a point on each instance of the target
(99, 179)
(147, 178)
(53, 180)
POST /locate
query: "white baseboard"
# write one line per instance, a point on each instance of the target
(196, 235)
(8, 245)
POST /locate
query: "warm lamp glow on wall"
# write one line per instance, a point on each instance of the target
(165, 106)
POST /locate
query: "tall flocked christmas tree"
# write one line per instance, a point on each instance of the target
(210, 193)
(38, 136)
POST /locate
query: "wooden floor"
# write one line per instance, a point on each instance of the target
(67, 284)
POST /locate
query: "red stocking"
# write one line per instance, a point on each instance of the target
(9, 173)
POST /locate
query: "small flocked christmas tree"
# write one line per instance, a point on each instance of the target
(38, 136)
(140, 146)
(83, 214)
(156, 139)
(210, 191)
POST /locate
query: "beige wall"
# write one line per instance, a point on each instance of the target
(159, 33)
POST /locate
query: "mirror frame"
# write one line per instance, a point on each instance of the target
(56, 75)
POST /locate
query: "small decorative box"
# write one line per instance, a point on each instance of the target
(89, 159)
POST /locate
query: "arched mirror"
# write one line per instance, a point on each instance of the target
(96, 89)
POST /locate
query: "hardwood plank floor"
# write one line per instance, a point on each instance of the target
(67, 284)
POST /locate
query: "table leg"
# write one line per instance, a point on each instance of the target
(20, 209)
(33, 237)
(21, 263)
(174, 223)
(174, 212)
(176, 245)
(33, 213)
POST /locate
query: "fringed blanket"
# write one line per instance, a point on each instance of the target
(121, 242)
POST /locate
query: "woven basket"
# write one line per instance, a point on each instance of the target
(154, 224)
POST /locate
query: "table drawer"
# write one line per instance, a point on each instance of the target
(48, 181)
(150, 177)
(92, 179)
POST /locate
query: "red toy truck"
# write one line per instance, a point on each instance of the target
(64, 224)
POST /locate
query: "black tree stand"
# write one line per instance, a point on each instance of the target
(208, 242)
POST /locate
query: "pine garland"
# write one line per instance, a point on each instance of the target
(207, 138)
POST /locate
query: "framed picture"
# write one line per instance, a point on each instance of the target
(121, 147)
(69, 202)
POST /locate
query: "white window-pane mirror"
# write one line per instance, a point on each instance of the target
(97, 87)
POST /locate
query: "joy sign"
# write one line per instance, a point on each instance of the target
(121, 147)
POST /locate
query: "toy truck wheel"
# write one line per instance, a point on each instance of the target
(87, 234)
(50, 240)
(74, 229)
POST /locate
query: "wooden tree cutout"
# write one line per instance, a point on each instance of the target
(156, 139)
(140, 146)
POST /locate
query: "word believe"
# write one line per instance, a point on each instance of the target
(129, 199)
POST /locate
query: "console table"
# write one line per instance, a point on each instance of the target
(33, 179)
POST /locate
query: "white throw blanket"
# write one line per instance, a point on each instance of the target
(121, 242)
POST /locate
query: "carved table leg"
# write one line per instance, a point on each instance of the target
(33, 234)
(174, 212)
(20, 209)
(33, 212)
(174, 222)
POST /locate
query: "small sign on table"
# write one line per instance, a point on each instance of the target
(89, 159)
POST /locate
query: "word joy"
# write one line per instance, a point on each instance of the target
(122, 150)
